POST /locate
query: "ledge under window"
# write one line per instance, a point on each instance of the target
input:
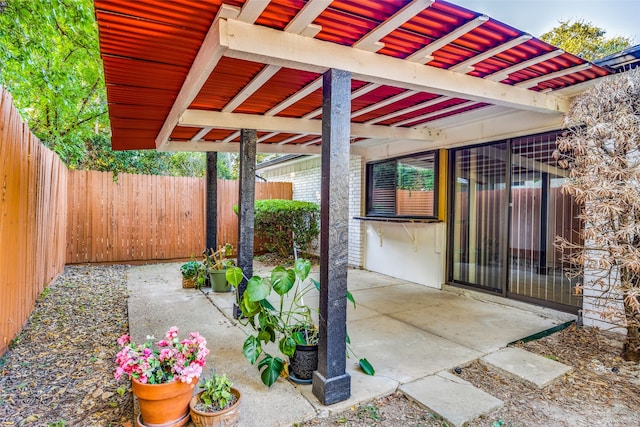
(396, 219)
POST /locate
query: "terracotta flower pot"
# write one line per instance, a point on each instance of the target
(163, 404)
(225, 418)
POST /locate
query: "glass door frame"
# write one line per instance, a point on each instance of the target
(505, 228)
(505, 240)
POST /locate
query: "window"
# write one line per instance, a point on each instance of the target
(403, 187)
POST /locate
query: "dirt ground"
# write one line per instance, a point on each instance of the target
(59, 371)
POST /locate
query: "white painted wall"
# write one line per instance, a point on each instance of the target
(396, 257)
(390, 250)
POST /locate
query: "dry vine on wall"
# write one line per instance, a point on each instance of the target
(601, 149)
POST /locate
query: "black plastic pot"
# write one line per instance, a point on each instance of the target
(303, 363)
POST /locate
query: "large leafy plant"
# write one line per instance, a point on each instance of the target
(288, 323)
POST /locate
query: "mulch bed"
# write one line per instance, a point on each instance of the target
(59, 370)
(601, 390)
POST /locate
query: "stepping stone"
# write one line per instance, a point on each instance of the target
(526, 366)
(451, 397)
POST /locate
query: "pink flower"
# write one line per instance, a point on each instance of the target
(165, 354)
(172, 333)
(190, 372)
(174, 360)
(124, 340)
(118, 373)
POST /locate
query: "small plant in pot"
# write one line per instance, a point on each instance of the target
(193, 274)
(290, 324)
(217, 404)
(216, 264)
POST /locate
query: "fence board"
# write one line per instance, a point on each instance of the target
(32, 219)
(149, 217)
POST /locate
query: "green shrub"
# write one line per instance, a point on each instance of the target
(278, 221)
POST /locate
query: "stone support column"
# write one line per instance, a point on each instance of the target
(212, 201)
(331, 383)
(246, 208)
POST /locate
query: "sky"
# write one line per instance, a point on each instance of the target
(617, 17)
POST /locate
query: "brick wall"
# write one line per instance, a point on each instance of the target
(305, 174)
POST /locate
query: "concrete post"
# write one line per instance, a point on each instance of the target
(212, 201)
(246, 209)
(331, 383)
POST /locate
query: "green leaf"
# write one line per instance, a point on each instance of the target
(257, 289)
(366, 367)
(267, 335)
(266, 304)
(273, 366)
(252, 349)
(302, 267)
(287, 346)
(282, 280)
(249, 308)
(206, 399)
(350, 298)
(234, 275)
(316, 284)
(299, 338)
(121, 390)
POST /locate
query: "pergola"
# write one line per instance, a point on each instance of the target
(323, 77)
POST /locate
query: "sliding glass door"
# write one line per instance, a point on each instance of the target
(507, 208)
(539, 213)
(479, 216)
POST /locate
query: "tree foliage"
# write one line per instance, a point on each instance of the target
(602, 151)
(585, 40)
(50, 63)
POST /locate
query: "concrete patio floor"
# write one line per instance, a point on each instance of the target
(407, 331)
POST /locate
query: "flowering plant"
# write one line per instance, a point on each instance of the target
(173, 360)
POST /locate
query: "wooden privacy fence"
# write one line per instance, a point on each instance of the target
(148, 217)
(50, 216)
(33, 210)
(137, 217)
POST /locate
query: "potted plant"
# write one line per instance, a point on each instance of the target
(217, 404)
(290, 323)
(305, 357)
(163, 376)
(193, 274)
(215, 264)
